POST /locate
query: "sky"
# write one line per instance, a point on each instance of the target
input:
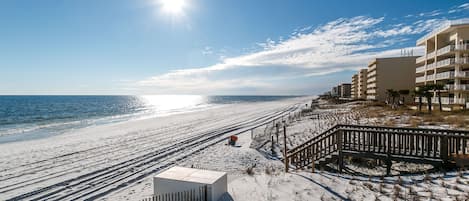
(207, 47)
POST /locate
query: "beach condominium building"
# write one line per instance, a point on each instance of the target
(362, 83)
(345, 90)
(354, 87)
(396, 73)
(446, 62)
(341, 90)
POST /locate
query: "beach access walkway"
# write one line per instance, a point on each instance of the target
(417, 145)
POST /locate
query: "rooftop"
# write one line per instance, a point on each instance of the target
(443, 27)
(191, 175)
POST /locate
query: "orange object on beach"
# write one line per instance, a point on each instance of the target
(233, 140)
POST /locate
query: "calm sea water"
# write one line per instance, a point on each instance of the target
(34, 117)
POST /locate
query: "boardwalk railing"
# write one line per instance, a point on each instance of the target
(387, 143)
(198, 194)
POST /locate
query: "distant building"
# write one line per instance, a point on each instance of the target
(354, 87)
(358, 87)
(345, 90)
(397, 73)
(446, 62)
(362, 83)
(336, 91)
(341, 91)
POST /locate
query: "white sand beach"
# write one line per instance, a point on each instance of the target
(118, 161)
(99, 161)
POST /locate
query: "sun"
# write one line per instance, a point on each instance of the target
(173, 7)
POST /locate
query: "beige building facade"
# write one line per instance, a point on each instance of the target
(362, 83)
(345, 90)
(354, 87)
(396, 73)
(358, 86)
(446, 62)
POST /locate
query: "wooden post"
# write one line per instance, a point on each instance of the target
(444, 149)
(206, 193)
(272, 145)
(285, 157)
(277, 131)
(388, 158)
(339, 146)
(312, 159)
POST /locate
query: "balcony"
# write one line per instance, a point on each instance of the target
(420, 69)
(445, 50)
(431, 66)
(462, 60)
(430, 77)
(445, 75)
(464, 46)
(431, 54)
(370, 80)
(444, 100)
(445, 62)
(421, 59)
(371, 74)
(420, 79)
(369, 97)
(461, 87)
(462, 74)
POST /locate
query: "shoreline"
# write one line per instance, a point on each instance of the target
(36, 131)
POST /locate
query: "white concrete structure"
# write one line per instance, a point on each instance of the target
(178, 179)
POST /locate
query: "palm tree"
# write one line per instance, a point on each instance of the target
(437, 88)
(404, 93)
(394, 95)
(427, 94)
(389, 93)
(419, 93)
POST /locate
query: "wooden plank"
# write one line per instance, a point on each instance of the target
(388, 159)
(464, 144)
(341, 156)
(364, 137)
(354, 140)
(444, 148)
(399, 143)
(375, 141)
(285, 151)
(427, 146)
(412, 145)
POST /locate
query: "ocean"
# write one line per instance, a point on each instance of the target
(34, 117)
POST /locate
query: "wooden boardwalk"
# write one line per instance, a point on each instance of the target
(433, 146)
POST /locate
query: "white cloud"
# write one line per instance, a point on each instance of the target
(462, 7)
(342, 44)
(207, 51)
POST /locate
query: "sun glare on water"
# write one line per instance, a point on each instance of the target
(173, 102)
(173, 7)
